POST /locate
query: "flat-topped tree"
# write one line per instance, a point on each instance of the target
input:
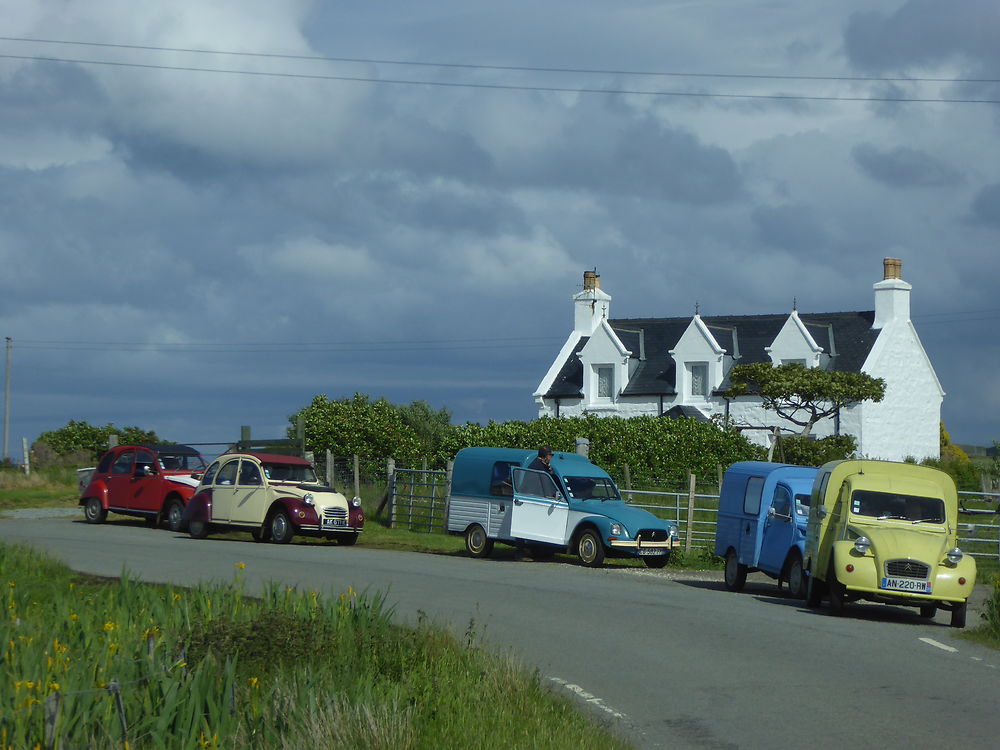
(804, 395)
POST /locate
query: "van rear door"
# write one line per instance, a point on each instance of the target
(540, 512)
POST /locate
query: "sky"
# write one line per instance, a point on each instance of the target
(213, 211)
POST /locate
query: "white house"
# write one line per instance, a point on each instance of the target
(679, 367)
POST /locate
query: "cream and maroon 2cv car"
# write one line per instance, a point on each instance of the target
(273, 497)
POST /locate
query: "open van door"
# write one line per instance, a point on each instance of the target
(540, 512)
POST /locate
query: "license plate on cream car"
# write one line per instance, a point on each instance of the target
(906, 584)
(335, 522)
(652, 551)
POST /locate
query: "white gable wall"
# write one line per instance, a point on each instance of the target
(794, 344)
(697, 348)
(906, 423)
(603, 350)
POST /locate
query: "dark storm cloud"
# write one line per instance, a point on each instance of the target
(986, 206)
(64, 96)
(904, 167)
(924, 32)
(791, 227)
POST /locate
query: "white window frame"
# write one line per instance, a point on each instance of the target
(705, 371)
(610, 370)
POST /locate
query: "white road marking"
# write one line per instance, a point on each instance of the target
(935, 644)
(592, 699)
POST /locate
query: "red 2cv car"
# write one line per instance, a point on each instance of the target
(273, 497)
(149, 481)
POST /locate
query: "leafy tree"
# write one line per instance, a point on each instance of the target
(802, 451)
(81, 436)
(356, 425)
(431, 428)
(804, 395)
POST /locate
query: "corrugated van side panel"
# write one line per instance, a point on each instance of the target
(464, 510)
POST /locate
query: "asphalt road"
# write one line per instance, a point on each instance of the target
(669, 658)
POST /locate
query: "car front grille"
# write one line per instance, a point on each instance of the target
(907, 569)
(335, 513)
(652, 535)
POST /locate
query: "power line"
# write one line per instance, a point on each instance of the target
(507, 87)
(513, 68)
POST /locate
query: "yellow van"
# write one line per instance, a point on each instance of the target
(887, 532)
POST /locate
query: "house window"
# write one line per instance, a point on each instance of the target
(699, 379)
(793, 362)
(605, 381)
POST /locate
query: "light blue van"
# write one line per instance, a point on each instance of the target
(763, 512)
(495, 498)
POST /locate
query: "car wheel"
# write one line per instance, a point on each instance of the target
(928, 610)
(797, 581)
(198, 529)
(660, 561)
(958, 615)
(282, 530)
(836, 591)
(174, 513)
(736, 572)
(347, 540)
(589, 549)
(93, 511)
(477, 543)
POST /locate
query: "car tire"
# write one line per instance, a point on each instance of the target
(93, 511)
(836, 591)
(928, 611)
(660, 561)
(198, 529)
(958, 615)
(736, 572)
(477, 543)
(282, 530)
(589, 549)
(173, 514)
(347, 540)
(798, 583)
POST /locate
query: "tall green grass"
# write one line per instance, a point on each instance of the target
(98, 663)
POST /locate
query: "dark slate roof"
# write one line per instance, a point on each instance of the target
(691, 412)
(655, 375)
(569, 380)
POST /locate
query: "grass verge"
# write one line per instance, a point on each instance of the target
(99, 663)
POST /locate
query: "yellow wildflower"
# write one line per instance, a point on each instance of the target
(109, 626)
(241, 565)
(254, 682)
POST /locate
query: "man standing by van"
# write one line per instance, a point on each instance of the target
(542, 460)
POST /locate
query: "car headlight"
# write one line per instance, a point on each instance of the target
(308, 499)
(673, 532)
(862, 544)
(356, 502)
(616, 529)
(955, 556)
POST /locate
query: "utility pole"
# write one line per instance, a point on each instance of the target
(6, 402)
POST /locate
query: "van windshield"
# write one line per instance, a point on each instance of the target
(883, 505)
(592, 488)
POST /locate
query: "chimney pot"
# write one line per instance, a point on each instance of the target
(591, 280)
(892, 268)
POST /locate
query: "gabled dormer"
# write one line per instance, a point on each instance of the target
(605, 361)
(699, 363)
(795, 343)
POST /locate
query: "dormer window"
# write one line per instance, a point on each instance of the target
(794, 362)
(605, 375)
(698, 378)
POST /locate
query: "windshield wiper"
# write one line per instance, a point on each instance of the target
(929, 520)
(889, 515)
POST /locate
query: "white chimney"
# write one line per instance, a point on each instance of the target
(591, 305)
(892, 295)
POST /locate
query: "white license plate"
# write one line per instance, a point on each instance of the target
(652, 551)
(906, 584)
(335, 522)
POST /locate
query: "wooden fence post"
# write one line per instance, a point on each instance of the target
(628, 483)
(357, 477)
(690, 520)
(329, 468)
(52, 706)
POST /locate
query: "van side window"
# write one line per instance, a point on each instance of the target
(751, 498)
(500, 479)
(534, 483)
(782, 503)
